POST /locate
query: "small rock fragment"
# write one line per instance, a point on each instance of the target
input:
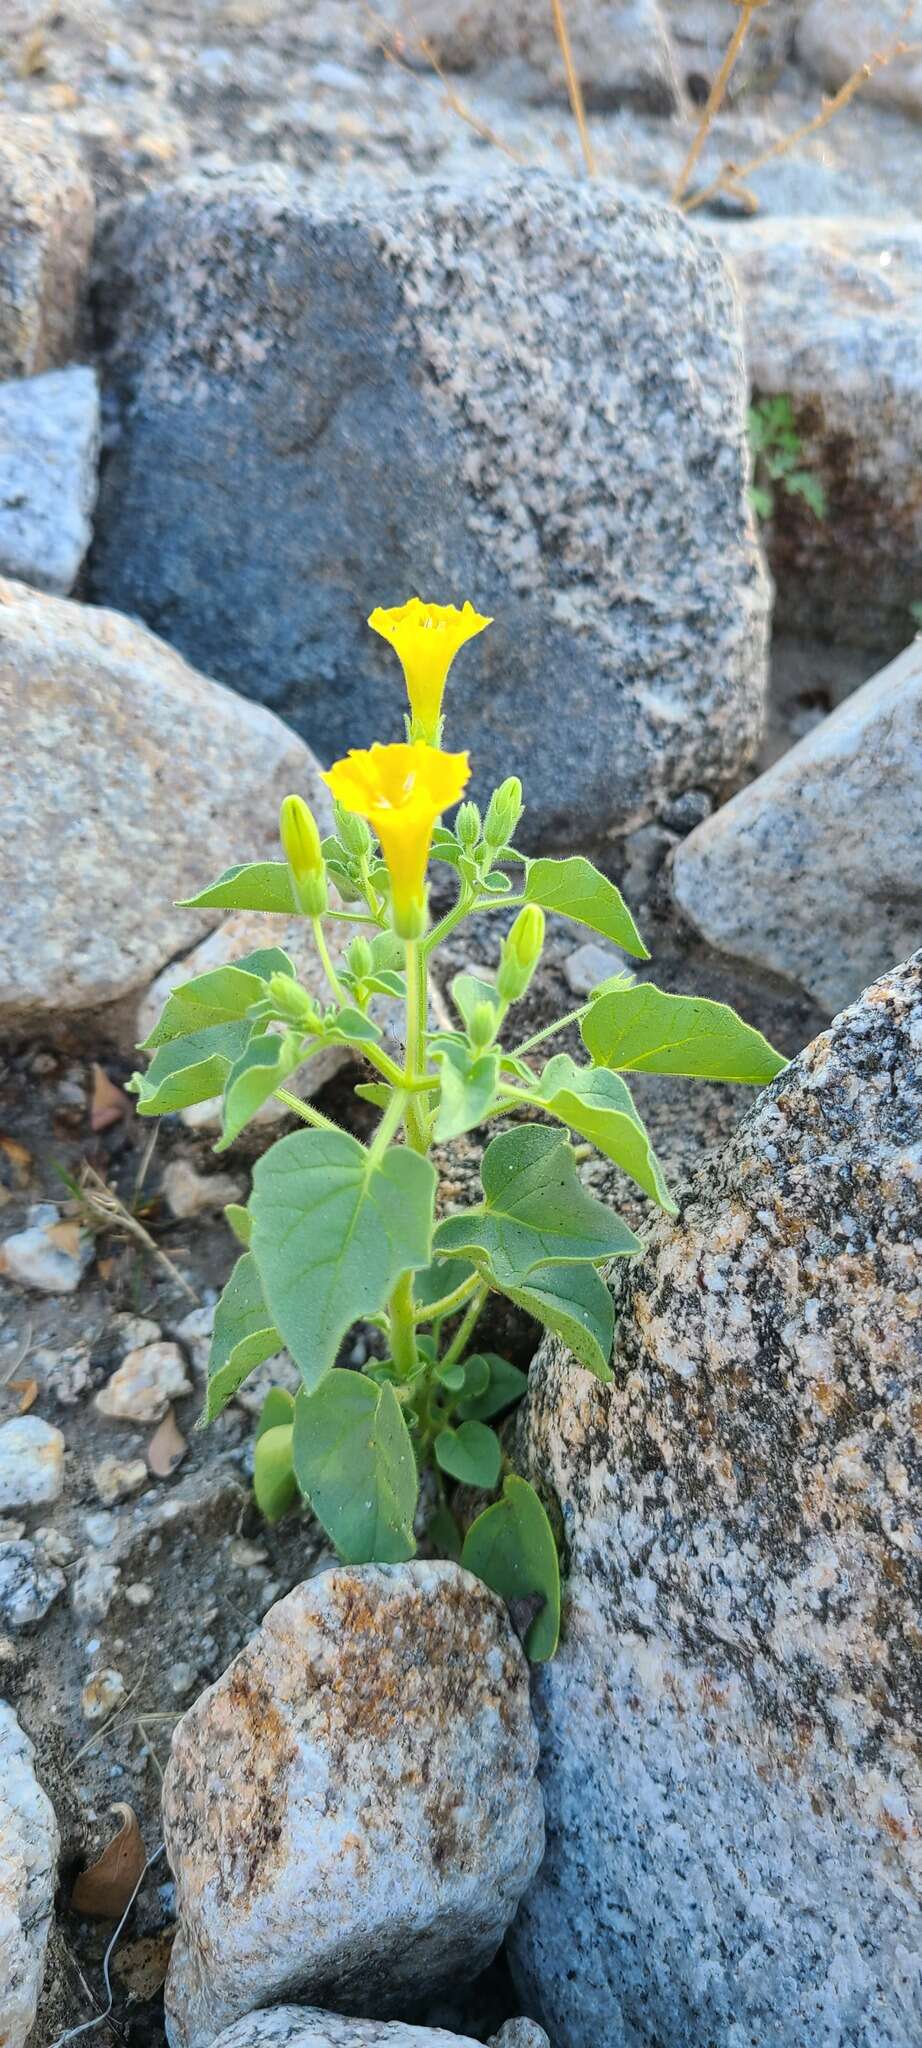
(101, 1693)
(48, 1255)
(520, 2033)
(144, 1384)
(190, 1194)
(118, 1479)
(590, 964)
(27, 1588)
(296, 2026)
(46, 205)
(49, 447)
(93, 1589)
(29, 1845)
(194, 1332)
(65, 1374)
(31, 1462)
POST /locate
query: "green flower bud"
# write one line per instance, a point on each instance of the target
(521, 952)
(482, 1027)
(292, 1002)
(353, 832)
(301, 847)
(359, 958)
(468, 825)
(503, 813)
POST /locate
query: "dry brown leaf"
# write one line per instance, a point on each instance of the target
(66, 1236)
(33, 54)
(28, 1394)
(15, 1161)
(142, 1965)
(103, 1890)
(167, 1447)
(109, 1104)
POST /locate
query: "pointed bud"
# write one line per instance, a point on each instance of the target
(482, 1027)
(359, 958)
(301, 847)
(292, 1003)
(353, 832)
(468, 825)
(503, 814)
(521, 952)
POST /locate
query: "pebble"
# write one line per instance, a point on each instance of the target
(181, 1678)
(144, 1384)
(190, 1194)
(130, 1332)
(33, 1257)
(194, 1333)
(102, 1529)
(101, 1693)
(65, 1374)
(93, 1590)
(139, 1593)
(590, 964)
(117, 1479)
(52, 1545)
(27, 1588)
(31, 1462)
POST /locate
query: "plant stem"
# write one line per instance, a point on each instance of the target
(325, 961)
(574, 87)
(390, 1123)
(402, 1331)
(715, 97)
(459, 1341)
(448, 1303)
(538, 1037)
(417, 1117)
(305, 1111)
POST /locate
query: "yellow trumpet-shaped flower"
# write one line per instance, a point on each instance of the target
(401, 791)
(427, 637)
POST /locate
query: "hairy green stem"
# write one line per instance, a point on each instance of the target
(402, 1330)
(415, 1068)
(458, 1343)
(305, 1111)
(389, 1125)
(448, 1303)
(325, 961)
(538, 1037)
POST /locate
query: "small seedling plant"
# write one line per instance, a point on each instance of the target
(778, 459)
(336, 1232)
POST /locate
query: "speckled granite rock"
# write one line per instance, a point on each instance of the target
(161, 779)
(352, 1811)
(836, 37)
(28, 1873)
(294, 2026)
(46, 233)
(731, 1730)
(544, 375)
(815, 870)
(49, 447)
(833, 318)
(620, 48)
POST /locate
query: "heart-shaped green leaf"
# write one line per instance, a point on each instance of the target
(354, 1461)
(600, 1106)
(468, 992)
(505, 1384)
(263, 1066)
(244, 1335)
(511, 1548)
(222, 996)
(190, 1069)
(643, 1030)
(469, 1086)
(332, 1232)
(470, 1454)
(573, 1302)
(576, 889)
(536, 1211)
(274, 1482)
(257, 885)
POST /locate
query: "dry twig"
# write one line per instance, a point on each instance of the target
(389, 45)
(105, 1208)
(574, 87)
(731, 179)
(716, 95)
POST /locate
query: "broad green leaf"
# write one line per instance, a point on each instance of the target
(642, 1030)
(257, 885)
(469, 1376)
(190, 1069)
(387, 950)
(244, 1336)
(239, 1221)
(351, 1027)
(274, 1484)
(222, 996)
(573, 1302)
(444, 1534)
(386, 982)
(470, 1454)
(469, 1088)
(263, 1066)
(277, 1411)
(511, 1548)
(536, 1211)
(354, 1461)
(599, 1105)
(576, 889)
(332, 1233)
(505, 1385)
(467, 991)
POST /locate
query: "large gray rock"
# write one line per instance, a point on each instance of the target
(833, 319)
(530, 393)
(49, 447)
(837, 36)
(731, 1731)
(620, 48)
(46, 234)
(351, 1812)
(815, 870)
(129, 781)
(28, 1874)
(294, 2026)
